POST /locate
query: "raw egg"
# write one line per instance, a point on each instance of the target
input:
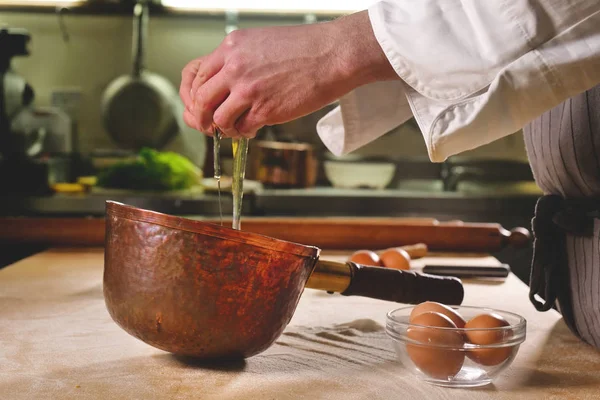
(437, 362)
(439, 308)
(492, 356)
(366, 257)
(395, 258)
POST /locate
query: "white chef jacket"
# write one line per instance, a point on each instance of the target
(472, 71)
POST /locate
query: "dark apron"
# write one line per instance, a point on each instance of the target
(563, 146)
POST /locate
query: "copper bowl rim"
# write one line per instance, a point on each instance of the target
(120, 210)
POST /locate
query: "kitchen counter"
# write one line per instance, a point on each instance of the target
(467, 206)
(77, 205)
(321, 201)
(58, 342)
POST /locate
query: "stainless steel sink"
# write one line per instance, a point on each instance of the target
(466, 176)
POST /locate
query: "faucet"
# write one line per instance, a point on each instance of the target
(453, 175)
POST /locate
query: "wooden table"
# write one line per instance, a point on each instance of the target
(57, 341)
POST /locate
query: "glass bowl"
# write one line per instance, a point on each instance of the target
(447, 356)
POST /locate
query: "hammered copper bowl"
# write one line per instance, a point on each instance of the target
(198, 289)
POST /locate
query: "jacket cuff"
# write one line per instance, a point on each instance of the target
(364, 115)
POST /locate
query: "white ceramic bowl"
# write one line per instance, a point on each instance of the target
(353, 175)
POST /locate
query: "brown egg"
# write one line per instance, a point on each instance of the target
(492, 356)
(366, 257)
(395, 258)
(439, 363)
(440, 308)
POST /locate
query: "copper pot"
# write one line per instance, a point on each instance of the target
(283, 164)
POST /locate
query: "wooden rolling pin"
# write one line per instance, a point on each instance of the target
(326, 233)
(379, 233)
(415, 251)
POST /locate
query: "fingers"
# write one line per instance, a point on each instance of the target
(228, 113)
(213, 103)
(189, 119)
(207, 69)
(232, 118)
(188, 74)
(207, 99)
(247, 124)
(195, 74)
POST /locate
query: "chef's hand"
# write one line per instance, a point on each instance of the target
(269, 76)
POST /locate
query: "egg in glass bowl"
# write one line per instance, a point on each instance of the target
(460, 346)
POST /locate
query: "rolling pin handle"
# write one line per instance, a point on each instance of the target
(519, 238)
(406, 287)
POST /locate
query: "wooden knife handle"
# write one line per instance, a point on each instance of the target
(406, 287)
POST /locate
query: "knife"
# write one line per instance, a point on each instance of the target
(468, 271)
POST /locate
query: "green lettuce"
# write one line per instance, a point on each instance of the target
(152, 170)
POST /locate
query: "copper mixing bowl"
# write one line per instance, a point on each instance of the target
(226, 281)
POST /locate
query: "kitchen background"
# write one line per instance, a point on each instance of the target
(75, 56)
(99, 49)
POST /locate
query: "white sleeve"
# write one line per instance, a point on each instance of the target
(471, 71)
